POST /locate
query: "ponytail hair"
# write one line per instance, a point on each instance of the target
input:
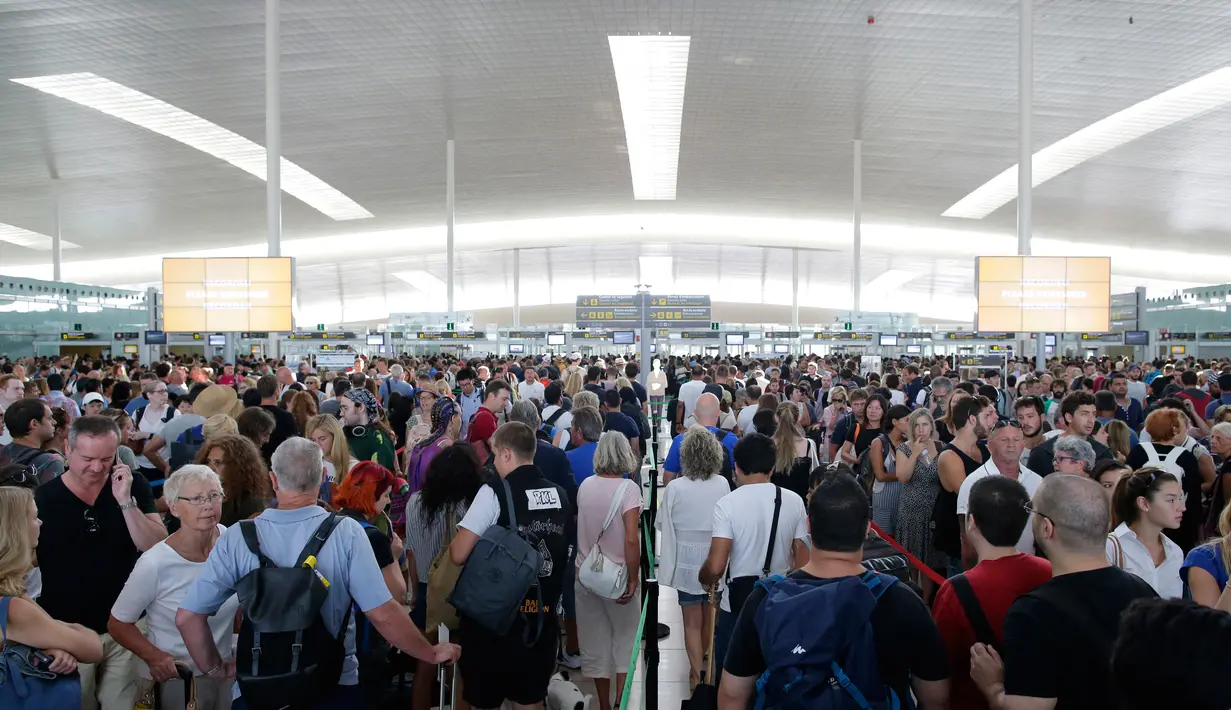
(1131, 486)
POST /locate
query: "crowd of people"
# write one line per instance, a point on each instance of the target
(275, 534)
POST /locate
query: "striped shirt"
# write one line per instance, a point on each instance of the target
(423, 540)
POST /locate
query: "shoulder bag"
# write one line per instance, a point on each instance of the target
(599, 574)
(25, 681)
(741, 587)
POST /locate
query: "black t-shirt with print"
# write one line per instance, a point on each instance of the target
(1058, 638)
(85, 552)
(907, 642)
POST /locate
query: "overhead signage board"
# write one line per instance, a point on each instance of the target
(396, 334)
(1043, 293)
(699, 335)
(526, 335)
(327, 348)
(227, 294)
(915, 335)
(657, 302)
(781, 334)
(590, 335)
(253, 335)
(1000, 348)
(452, 335)
(980, 360)
(322, 335)
(127, 335)
(847, 336)
(637, 310)
(983, 335)
(1102, 337)
(76, 336)
(1184, 337)
(335, 360)
(1217, 337)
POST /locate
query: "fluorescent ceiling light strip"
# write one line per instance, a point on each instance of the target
(30, 240)
(650, 74)
(142, 110)
(890, 280)
(1178, 104)
(421, 280)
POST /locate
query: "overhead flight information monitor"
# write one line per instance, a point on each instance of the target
(1043, 293)
(226, 294)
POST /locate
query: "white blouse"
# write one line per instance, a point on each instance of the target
(1164, 578)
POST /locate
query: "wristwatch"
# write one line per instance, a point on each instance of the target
(128, 506)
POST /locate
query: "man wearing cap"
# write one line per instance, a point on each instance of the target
(1224, 395)
(368, 442)
(92, 404)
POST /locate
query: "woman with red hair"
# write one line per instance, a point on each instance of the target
(363, 495)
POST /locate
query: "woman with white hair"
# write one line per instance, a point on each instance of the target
(159, 582)
(686, 519)
(606, 624)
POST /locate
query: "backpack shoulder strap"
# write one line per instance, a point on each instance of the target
(974, 611)
(773, 532)
(248, 528)
(878, 583)
(555, 416)
(4, 620)
(508, 498)
(1151, 452)
(1173, 456)
(313, 548)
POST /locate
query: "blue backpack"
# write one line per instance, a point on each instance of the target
(25, 681)
(816, 637)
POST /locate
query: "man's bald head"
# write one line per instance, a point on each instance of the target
(1078, 509)
(707, 410)
(285, 376)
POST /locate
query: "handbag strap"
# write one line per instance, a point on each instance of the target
(1118, 550)
(613, 509)
(773, 532)
(974, 611)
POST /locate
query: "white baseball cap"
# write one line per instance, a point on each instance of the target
(92, 397)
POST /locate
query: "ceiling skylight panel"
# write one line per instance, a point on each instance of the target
(650, 74)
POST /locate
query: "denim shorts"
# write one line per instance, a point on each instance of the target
(687, 599)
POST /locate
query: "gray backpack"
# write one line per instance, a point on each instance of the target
(500, 571)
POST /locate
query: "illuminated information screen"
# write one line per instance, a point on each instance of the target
(1043, 293)
(226, 294)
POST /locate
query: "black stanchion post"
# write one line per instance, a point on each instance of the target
(651, 646)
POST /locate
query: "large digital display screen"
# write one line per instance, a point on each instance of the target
(226, 294)
(623, 337)
(1043, 293)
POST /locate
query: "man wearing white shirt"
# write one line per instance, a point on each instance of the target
(530, 387)
(690, 391)
(11, 390)
(1005, 443)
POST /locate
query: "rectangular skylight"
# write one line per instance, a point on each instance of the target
(30, 240)
(650, 74)
(160, 117)
(421, 280)
(1157, 112)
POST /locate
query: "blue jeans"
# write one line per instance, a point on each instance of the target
(346, 697)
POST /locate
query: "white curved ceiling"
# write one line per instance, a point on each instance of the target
(775, 92)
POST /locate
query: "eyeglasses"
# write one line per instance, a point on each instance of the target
(1062, 459)
(91, 524)
(213, 498)
(1029, 508)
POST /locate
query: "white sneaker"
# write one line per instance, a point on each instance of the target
(571, 661)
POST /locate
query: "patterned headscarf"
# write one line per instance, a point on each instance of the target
(443, 412)
(365, 399)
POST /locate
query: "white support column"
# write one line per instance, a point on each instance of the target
(517, 287)
(1025, 147)
(856, 221)
(449, 221)
(273, 127)
(795, 289)
(56, 243)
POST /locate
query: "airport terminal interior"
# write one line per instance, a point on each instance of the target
(895, 333)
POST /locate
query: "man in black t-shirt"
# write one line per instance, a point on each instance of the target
(499, 667)
(97, 520)
(1059, 637)
(908, 647)
(284, 422)
(615, 420)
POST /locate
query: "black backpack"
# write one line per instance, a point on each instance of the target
(286, 656)
(728, 472)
